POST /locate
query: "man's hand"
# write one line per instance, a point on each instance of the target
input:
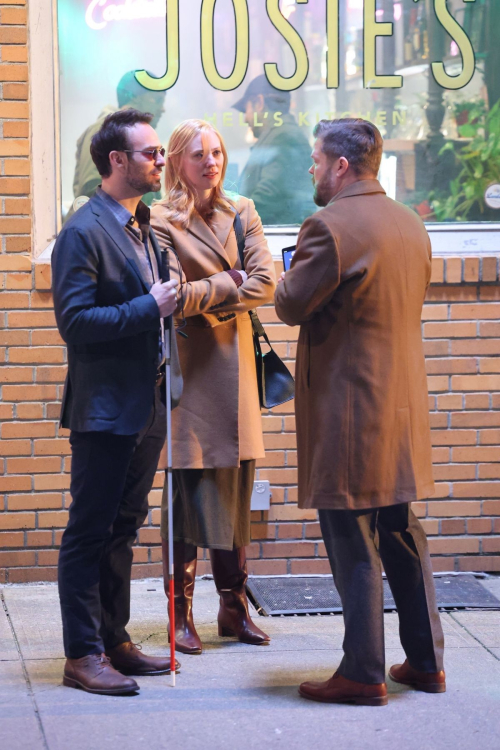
(282, 277)
(165, 296)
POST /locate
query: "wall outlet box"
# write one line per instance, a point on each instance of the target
(261, 496)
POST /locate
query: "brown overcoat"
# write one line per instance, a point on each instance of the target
(217, 423)
(356, 286)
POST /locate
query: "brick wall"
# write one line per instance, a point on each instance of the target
(461, 324)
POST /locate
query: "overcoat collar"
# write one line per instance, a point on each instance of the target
(113, 229)
(216, 237)
(360, 187)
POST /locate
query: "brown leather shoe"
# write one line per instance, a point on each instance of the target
(339, 689)
(229, 569)
(95, 674)
(128, 658)
(187, 640)
(428, 682)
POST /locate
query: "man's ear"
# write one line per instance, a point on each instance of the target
(342, 167)
(117, 159)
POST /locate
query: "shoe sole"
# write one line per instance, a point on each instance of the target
(424, 687)
(355, 701)
(132, 673)
(186, 650)
(69, 682)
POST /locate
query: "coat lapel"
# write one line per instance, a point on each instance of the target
(216, 239)
(117, 233)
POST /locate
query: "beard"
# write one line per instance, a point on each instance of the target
(143, 183)
(324, 190)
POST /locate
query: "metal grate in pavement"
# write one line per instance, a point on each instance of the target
(296, 596)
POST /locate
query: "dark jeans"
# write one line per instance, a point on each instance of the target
(356, 543)
(111, 477)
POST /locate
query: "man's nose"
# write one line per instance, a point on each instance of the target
(160, 161)
(311, 169)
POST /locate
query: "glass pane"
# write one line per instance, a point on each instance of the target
(425, 71)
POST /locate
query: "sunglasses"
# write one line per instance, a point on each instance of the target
(151, 153)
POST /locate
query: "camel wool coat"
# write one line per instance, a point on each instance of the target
(218, 422)
(356, 287)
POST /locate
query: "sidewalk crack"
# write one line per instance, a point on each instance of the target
(25, 674)
(473, 636)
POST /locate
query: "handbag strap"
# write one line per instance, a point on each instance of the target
(257, 326)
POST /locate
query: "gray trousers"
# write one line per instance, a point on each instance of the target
(357, 542)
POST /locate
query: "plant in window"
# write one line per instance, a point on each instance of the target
(479, 163)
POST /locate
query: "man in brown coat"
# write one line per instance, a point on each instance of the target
(356, 287)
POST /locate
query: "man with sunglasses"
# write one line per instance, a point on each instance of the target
(109, 303)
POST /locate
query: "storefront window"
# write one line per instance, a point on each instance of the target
(264, 72)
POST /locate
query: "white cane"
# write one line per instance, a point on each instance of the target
(165, 276)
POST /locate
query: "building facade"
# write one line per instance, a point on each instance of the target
(46, 103)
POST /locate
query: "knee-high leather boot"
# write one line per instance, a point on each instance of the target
(229, 569)
(186, 638)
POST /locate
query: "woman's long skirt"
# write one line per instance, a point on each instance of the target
(211, 506)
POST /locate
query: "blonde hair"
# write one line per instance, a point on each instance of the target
(179, 200)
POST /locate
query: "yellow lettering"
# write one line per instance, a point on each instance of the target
(278, 119)
(398, 117)
(303, 119)
(332, 43)
(235, 78)
(371, 31)
(212, 119)
(227, 119)
(290, 35)
(171, 74)
(256, 122)
(381, 118)
(241, 121)
(463, 43)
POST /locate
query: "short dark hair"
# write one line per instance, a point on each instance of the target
(113, 136)
(276, 103)
(359, 141)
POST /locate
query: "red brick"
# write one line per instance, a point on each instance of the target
(290, 512)
(15, 483)
(29, 393)
(481, 563)
(476, 489)
(28, 429)
(489, 437)
(31, 575)
(310, 567)
(449, 330)
(17, 520)
(449, 401)
(36, 319)
(479, 526)
(460, 347)
(474, 382)
(477, 401)
(39, 538)
(51, 374)
(52, 481)
(470, 455)
(437, 275)
(435, 312)
(18, 281)
(14, 53)
(453, 546)
(489, 364)
(453, 526)
(47, 557)
(52, 519)
(16, 374)
(491, 508)
(288, 549)
(491, 545)
(454, 471)
(14, 16)
(289, 531)
(489, 269)
(475, 419)
(453, 508)
(15, 447)
(471, 269)
(489, 330)
(438, 383)
(440, 455)
(43, 276)
(489, 471)
(279, 476)
(482, 311)
(453, 273)
(17, 559)
(36, 501)
(54, 447)
(11, 539)
(450, 366)
(263, 531)
(436, 348)
(272, 459)
(17, 168)
(46, 337)
(453, 437)
(442, 564)
(14, 262)
(267, 567)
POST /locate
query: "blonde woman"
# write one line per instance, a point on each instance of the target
(216, 430)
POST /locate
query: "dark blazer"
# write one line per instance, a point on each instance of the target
(109, 322)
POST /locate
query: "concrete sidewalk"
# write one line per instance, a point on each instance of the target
(234, 696)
